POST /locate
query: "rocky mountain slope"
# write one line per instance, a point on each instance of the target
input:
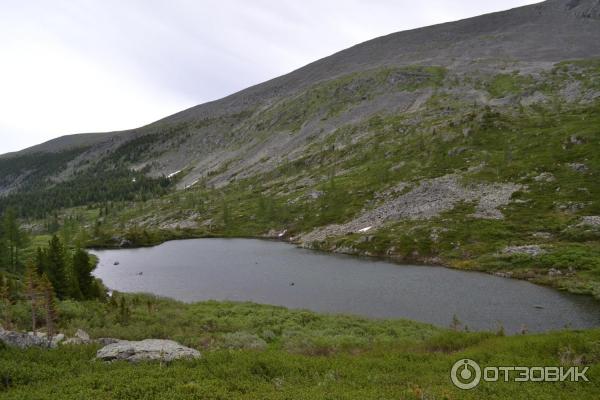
(473, 143)
(528, 39)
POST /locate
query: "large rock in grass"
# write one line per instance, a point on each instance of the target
(146, 350)
(530, 250)
(24, 340)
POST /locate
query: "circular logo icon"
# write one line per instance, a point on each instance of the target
(465, 374)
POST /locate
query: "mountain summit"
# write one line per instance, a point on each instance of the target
(551, 31)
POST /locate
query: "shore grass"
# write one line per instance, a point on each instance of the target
(304, 356)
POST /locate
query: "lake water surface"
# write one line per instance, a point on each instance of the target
(278, 273)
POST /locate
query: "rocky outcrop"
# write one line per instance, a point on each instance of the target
(25, 340)
(81, 337)
(146, 350)
(591, 220)
(531, 250)
(544, 177)
(578, 167)
(427, 200)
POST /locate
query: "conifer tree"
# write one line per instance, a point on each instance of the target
(32, 291)
(49, 304)
(5, 303)
(82, 271)
(56, 269)
(41, 261)
(13, 237)
(124, 312)
(226, 215)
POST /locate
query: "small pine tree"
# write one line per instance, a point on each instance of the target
(226, 215)
(124, 312)
(49, 302)
(41, 261)
(14, 237)
(112, 302)
(32, 291)
(82, 269)
(500, 330)
(456, 324)
(150, 305)
(5, 303)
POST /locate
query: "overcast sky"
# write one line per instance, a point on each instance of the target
(101, 65)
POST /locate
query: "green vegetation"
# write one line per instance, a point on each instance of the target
(344, 173)
(70, 275)
(12, 240)
(482, 145)
(40, 275)
(516, 146)
(38, 166)
(505, 84)
(305, 355)
(330, 98)
(98, 185)
(550, 149)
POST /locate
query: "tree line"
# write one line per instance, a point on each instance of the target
(12, 240)
(93, 186)
(70, 273)
(50, 273)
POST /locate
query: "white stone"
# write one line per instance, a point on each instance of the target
(146, 350)
(83, 335)
(591, 220)
(532, 250)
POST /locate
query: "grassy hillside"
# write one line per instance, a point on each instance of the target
(251, 351)
(417, 147)
(455, 182)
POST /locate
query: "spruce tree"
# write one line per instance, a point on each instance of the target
(41, 260)
(5, 302)
(13, 238)
(55, 267)
(32, 291)
(82, 270)
(49, 304)
(3, 249)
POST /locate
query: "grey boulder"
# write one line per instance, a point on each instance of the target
(24, 340)
(146, 350)
(81, 337)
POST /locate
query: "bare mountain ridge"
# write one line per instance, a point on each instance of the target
(224, 132)
(551, 31)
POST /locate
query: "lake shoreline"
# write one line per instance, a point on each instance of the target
(325, 282)
(556, 283)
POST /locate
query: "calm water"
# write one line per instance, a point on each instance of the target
(281, 274)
